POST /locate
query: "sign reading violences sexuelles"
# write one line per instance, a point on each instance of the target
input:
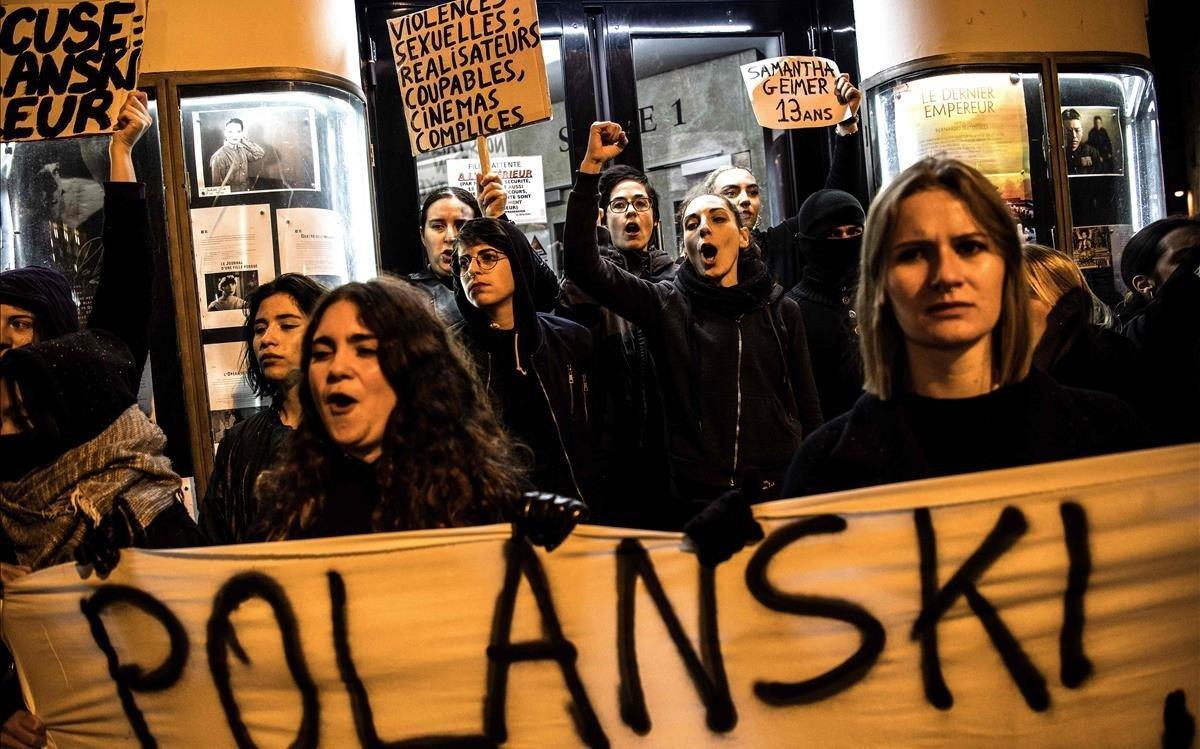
(1052, 605)
(469, 68)
(794, 92)
(66, 67)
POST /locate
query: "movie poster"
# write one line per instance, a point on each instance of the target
(977, 118)
(234, 255)
(255, 149)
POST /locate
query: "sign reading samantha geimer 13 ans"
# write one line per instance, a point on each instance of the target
(1052, 605)
(66, 67)
(469, 68)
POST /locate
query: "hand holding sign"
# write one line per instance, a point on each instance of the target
(606, 141)
(23, 729)
(492, 197)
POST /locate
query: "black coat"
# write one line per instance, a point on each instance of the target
(627, 412)
(737, 388)
(1167, 331)
(910, 437)
(229, 510)
(537, 376)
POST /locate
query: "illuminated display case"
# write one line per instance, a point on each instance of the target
(1070, 141)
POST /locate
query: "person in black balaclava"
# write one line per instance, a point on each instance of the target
(831, 226)
(35, 304)
(534, 365)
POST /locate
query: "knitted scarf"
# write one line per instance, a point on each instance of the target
(42, 513)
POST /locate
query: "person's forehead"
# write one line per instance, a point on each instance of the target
(1184, 236)
(449, 207)
(278, 305)
(706, 204)
(478, 247)
(735, 177)
(342, 320)
(932, 213)
(629, 188)
(12, 310)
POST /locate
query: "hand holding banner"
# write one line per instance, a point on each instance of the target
(468, 69)
(66, 67)
(795, 92)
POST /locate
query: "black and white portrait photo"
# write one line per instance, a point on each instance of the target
(255, 149)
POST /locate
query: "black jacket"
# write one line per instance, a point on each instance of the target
(229, 511)
(1081, 355)
(627, 412)
(734, 372)
(910, 437)
(537, 377)
(1167, 331)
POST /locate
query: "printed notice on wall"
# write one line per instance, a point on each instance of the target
(312, 241)
(469, 68)
(794, 92)
(230, 398)
(977, 118)
(521, 177)
(233, 256)
(67, 67)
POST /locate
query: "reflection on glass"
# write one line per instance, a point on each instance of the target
(990, 120)
(1110, 138)
(532, 160)
(694, 116)
(278, 182)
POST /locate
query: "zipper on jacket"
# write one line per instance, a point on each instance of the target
(488, 385)
(571, 386)
(517, 354)
(737, 424)
(558, 431)
(585, 398)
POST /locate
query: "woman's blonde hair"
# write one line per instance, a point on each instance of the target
(881, 341)
(1052, 273)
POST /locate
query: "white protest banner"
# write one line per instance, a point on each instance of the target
(1054, 605)
(66, 66)
(794, 92)
(521, 178)
(469, 68)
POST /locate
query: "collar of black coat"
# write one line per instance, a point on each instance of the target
(753, 289)
(654, 264)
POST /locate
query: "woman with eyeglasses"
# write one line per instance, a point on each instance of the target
(780, 244)
(443, 213)
(535, 366)
(943, 309)
(734, 372)
(396, 433)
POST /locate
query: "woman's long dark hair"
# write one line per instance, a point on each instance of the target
(446, 460)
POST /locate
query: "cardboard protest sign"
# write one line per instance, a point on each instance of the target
(1049, 605)
(67, 66)
(521, 178)
(794, 92)
(469, 68)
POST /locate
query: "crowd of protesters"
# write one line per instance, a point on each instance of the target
(651, 387)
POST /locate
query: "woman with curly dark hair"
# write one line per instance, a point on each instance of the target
(396, 432)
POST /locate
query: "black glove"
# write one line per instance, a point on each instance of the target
(102, 544)
(726, 525)
(547, 519)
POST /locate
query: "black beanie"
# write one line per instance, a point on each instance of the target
(79, 382)
(46, 293)
(826, 209)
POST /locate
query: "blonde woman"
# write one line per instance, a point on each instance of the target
(946, 344)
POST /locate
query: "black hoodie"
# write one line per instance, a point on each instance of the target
(734, 372)
(536, 374)
(826, 297)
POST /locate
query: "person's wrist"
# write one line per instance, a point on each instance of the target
(590, 165)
